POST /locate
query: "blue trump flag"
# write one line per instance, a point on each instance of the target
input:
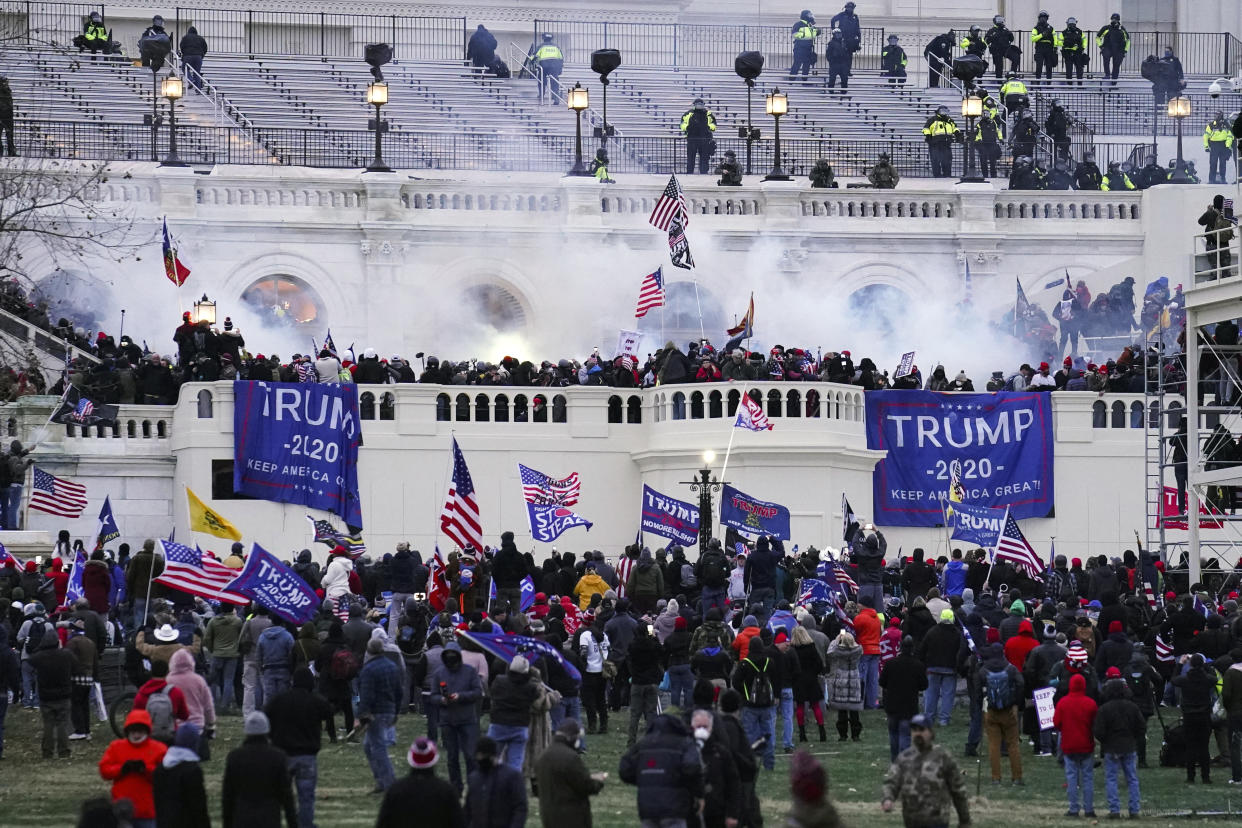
(670, 518)
(548, 522)
(505, 647)
(528, 593)
(269, 583)
(108, 530)
(782, 620)
(298, 443)
(74, 590)
(977, 524)
(752, 516)
(814, 590)
(1003, 442)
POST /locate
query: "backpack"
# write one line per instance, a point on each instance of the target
(1173, 748)
(499, 68)
(715, 573)
(344, 665)
(34, 636)
(1069, 589)
(999, 693)
(688, 581)
(160, 709)
(760, 691)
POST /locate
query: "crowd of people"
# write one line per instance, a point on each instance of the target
(744, 651)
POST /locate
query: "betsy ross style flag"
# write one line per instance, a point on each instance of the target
(329, 535)
(459, 519)
(671, 204)
(174, 268)
(1013, 546)
(650, 293)
(750, 416)
(57, 497)
(537, 487)
(189, 570)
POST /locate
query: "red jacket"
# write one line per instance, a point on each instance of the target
(60, 581)
(741, 643)
(136, 787)
(1074, 717)
(867, 631)
(1020, 646)
(181, 711)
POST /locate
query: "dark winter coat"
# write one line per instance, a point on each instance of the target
(433, 799)
(1197, 687)
(54, 667)
(297, 716)
(512, 697)
(256, 789)
(1114, 652)
(644, 660)
(401, 571)
(180, 796)
(721, 781)
(497, 798)
(193, 44)
(665, 767)
(96, 585)
(1119, 723)
(481, 50)
(903, 679)
(565, 786)
(807, 686)
(939, 646)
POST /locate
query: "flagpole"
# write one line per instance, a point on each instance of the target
(724, 467)
(948, 536)
(699, 305)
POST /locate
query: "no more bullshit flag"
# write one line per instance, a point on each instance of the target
(670, 518)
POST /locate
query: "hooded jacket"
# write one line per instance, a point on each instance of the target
(867, 631)
(1020, 646)
(275, 648)
(955, 572)
(665, 767)
(256, 790)
(54, 667)
(297, 716)
(96, 585)
(646, 578)
(454, 677)
(1119, 723)
(136, 787)
(588, 585)
(513, 694)
(1075, 719)
(193, 687)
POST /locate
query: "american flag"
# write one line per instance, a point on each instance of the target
(1150, 595)
(970, 639)
(459, 519)
(329, 535)
(1164, 651)
(672, 204)
(843, 578)
(650, 293)
(678, 245)
(306, 372)
(538, 488)
(1013, 546)
(189, 570)
(624, 567)
(750, 416)
(5, 556)
(56, 496)
(84, 409)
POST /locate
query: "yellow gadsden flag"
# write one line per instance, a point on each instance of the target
(204, 519)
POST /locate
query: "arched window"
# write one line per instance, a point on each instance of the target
(443, 406)
(1136, 414)
(131, 429)
(502, 408)
(793, 404)
(161, 429)
(204, 404)
(12, 426)
(634, 409)
(812, 403)
(520, 411)
(481, 408)
(735, 399)
(679, 406)
(146, 429)
(388, 406)
(774, 403)
(696, 405)
(1099, 414)
(366, 405)
(286, 302)
(463, 408)
(614, 409)
(1119, 415)
(558, 409)
(541, 408)
(715, 405)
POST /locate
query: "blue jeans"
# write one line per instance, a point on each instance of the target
(1080, 773)
(898, 736)
(709, 598)
(941, 688)
(223, 677)
(764, 597)
(787, 717)
(304, 770)
(511, 739)
(10, 505)
(570, 707)
(976, 723)
(380, 735)
(869, 674)
(274, 681)
(681, 680)
(876, 591)
(30, 685)
(459, 740)
(1113, 764)
(4, 711)
(759, 722)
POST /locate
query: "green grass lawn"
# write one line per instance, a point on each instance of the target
(35, 792)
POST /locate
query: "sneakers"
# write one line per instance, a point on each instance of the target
(1019, 783)
(1073, 814)
(77, 737)
(1134, 815)
(1089, 814)
(1114, 815)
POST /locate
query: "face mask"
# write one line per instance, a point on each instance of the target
(702, 734)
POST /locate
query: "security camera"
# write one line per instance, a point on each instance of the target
(1215, 88)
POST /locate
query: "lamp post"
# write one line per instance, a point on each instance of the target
(1179, 110)
(705, 484)
(173, 89)
(776, 104)
(205, 311)
(377, 96)
(578, 99)
(603, 63)
(972, 108)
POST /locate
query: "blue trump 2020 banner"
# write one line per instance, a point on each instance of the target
(1003, 441)
(977, 524)
(298, 443)
(670, 518)
(752, 516)
(273, 585)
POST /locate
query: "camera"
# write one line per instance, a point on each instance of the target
(1215, 88)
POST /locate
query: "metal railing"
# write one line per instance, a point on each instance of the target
(689, 45)
(1201, 53)
(57, 23)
